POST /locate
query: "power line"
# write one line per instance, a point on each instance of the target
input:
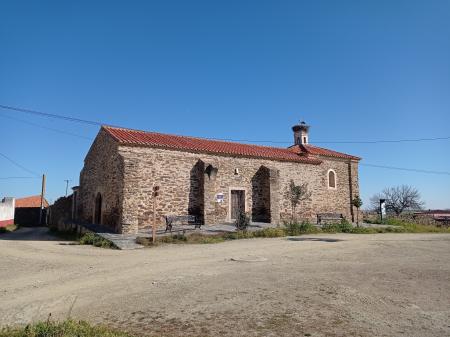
(18, 165)
(406, 169)
(46, 127)
(6, 178)
(46, 114)
(97, 123)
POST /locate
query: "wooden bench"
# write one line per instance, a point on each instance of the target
(184, 220)
(324, 217)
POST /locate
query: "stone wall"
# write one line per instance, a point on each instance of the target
(102, 174)
(185, 189)
(60, 212)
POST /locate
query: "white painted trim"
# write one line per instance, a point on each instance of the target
(229, 201)
(328, 180)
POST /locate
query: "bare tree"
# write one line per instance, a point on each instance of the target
(296, 194)
(374, 202)
(398, 199)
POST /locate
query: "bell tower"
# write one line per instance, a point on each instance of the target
(301, 133)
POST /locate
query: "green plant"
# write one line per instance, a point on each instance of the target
(296, 194)
(242, 221)
(357, 202)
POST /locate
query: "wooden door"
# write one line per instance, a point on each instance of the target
(237, 203)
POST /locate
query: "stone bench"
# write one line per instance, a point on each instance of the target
(324, 217)
(183, 220)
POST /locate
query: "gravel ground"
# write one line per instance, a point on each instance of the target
(315, 285)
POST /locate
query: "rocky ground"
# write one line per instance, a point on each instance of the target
(314, 285)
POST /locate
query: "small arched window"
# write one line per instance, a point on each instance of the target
(331, 179)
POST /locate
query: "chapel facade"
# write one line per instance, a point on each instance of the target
(214, 180)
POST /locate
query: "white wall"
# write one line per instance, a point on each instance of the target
(7, 207)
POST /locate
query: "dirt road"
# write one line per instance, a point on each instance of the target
(318, 285)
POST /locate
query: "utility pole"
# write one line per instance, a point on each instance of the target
(42, 200)
(67, 185)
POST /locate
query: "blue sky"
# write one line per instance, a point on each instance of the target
(354, 70)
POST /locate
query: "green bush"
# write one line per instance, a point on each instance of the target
(295, 228)
(68, 328)
(242, 221)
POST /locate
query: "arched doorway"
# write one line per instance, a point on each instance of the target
(98, 209)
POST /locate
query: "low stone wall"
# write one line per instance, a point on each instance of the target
(60, 212)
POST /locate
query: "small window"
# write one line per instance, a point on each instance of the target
(236, 171)
(331, 179)
(304, 140)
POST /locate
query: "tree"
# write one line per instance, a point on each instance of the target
(398, 199)
(296, 194)
(357, 202)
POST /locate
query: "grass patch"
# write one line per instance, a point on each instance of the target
(68, 328)
(411, 227)
(294, 229)
(85, 239)
(9, 228)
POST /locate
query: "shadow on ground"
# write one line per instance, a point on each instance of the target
(315, 239)
(31, 234)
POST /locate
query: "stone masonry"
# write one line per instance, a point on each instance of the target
(117, 181)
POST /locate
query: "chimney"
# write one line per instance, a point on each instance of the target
(301, 133)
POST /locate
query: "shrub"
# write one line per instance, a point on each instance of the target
(242, 221)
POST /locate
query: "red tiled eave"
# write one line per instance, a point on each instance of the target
(319, 151)
(192, 144)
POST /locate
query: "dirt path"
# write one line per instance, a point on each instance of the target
(322, 285)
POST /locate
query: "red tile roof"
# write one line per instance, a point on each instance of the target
(153, 139)
(33, 201)
(319, 151)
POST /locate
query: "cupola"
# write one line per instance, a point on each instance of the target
(301, 133)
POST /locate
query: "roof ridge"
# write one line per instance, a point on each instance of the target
(194, 137)
(208, 145)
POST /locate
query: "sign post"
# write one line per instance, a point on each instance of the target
(382, 209)
(155, 196)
